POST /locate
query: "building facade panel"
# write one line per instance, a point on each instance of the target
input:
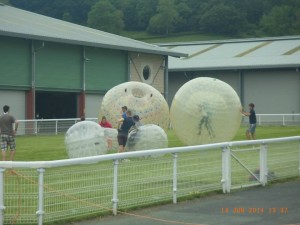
(148, 69)
(273, 91)
(16, 101)
(15, 62)
(104, 68)
(58, 66)
(92, 105)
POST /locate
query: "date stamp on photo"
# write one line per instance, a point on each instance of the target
(244, 210)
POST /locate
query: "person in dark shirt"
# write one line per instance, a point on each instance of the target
(124, 125)
(8, 129)
(250, 133)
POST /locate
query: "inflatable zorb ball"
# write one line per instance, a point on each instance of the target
(111, 135)
(142, 99)
(205, 110)
(147, 137)
(85, 139)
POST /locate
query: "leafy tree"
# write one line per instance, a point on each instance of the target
(282, 20)
(222, 19)
(184, 15)
(104, 16)
(231, 17)
(67, 17)
(6, 2)
(128, 7)
(144, 11)
(164, 21)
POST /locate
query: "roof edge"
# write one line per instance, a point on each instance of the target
(292, 66)
(240, 40)
(93, 44)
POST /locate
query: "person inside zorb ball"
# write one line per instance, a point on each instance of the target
(85, 139)
(143, 100)
(205, 110)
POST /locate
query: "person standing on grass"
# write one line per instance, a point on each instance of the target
(8, 133)
(250, 133)
(124, 127)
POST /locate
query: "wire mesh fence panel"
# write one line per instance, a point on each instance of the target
(283, 160)
(199, 172)
(87, 187)
(78, 191)
(21, 193)
(245, 166)
(145, 181)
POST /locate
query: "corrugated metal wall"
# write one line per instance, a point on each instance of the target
(58, 66)
(274, 91)
(16, 101)
(92, 105)
(15, 62)
(105, 68)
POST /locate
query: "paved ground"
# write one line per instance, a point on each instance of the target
(277, 204)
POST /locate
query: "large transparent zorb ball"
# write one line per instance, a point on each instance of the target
(142, 99)
(205, 110)
(84, 139)
(147, 137)
(111, 135)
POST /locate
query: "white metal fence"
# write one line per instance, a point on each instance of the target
(55, 126)
(73, 189)
(278, 119)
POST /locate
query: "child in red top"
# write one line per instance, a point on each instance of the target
(105, 123)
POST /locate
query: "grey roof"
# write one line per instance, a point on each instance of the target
(278, 52)
(19, 23)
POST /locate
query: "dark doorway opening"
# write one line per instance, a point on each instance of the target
(55, 105)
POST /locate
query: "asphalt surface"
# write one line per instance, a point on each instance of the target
(276, 204)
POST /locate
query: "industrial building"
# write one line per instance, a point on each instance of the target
(265, 71)
(51, 68)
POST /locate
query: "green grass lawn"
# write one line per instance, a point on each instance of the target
(42, 148)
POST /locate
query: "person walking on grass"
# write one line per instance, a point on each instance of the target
(250, 133)
(8, 129)
(124, 125)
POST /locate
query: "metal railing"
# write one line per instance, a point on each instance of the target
(56, 126)
(47, 126)
(61, 190)
(278, 119)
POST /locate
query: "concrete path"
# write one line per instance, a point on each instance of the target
(277, 204)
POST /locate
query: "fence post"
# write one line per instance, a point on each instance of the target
(263, 172)
(2, 207)
(226, 169)
(283, 120)
(40, 211)
(115, 188)
(56, 127)
(175, 178)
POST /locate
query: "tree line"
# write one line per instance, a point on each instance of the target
(166, 17)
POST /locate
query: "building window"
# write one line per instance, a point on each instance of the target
(146, 72)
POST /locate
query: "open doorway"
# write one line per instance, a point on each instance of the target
(55, 105)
